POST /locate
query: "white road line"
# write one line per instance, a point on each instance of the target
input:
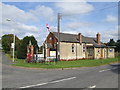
(63, 80)
(107, 69)
(48, 83)
(92, 86)
(33, 85)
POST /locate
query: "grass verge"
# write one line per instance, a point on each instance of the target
(66, 64)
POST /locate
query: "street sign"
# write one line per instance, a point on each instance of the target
(12, 45)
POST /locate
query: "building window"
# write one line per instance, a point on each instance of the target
(51, 45)
(111, 50)
(73, 48)
(50, 38)
(105, 50)
(84, 49)
(98, 50)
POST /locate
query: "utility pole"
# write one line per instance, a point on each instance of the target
(46, 50)
(58, 52)
(13, 41)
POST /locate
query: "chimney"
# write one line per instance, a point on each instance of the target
(98, 38)
(80, 37)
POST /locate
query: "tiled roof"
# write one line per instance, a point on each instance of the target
(65, 37)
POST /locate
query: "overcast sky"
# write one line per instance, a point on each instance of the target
(88, 18)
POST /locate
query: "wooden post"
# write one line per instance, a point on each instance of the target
(58, 51)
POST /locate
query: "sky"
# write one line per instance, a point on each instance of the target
(88, 18)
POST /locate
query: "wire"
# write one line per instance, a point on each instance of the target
(107, 8)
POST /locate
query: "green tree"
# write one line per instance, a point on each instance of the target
(7, 39)
(22, 51)
(118, 46)
(111, 42)
(41, 49)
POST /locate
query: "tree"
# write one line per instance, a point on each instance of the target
(111, 42)
(22, 51)
(118, 45)
(41, 49)
(7, 39)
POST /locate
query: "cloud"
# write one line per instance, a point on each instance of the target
(73, 8)
(71, 32)
(34, 15)
(22, 30)
(14, 13)
(111, 18)
(20, 27)
(106, 35)
(31, 34)
(43, 12)
(76, 25)
(23, 22)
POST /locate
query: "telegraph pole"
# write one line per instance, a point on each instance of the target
(46, 50)
(13, 44)
(58, 52)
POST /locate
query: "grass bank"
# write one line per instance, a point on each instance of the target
(66, 64)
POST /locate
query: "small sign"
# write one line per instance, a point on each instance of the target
(52, 53)
(12, 45)
(111, 50)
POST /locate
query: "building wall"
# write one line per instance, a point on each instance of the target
(103, 53)
(111, 53)
(66, 51)
(96, 53)
(67, 54)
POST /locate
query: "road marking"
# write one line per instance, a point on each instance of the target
(92, 86)
(47, 83)
(107, 69)
(33, 85)
(63, 80)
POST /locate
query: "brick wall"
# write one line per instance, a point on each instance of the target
(51, 40)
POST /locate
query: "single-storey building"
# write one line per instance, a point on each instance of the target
(76, 46)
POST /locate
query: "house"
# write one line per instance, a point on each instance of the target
(73, 47)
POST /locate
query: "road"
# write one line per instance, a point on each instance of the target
(87, 77)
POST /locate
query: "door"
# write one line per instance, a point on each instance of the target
(101, 52)
(90, 51)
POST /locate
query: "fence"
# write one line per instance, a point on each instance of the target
(40, 58)
(117, 54)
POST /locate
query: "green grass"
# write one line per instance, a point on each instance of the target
(65, 64)
(9, 56)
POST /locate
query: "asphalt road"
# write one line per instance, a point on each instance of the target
(94, 77)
